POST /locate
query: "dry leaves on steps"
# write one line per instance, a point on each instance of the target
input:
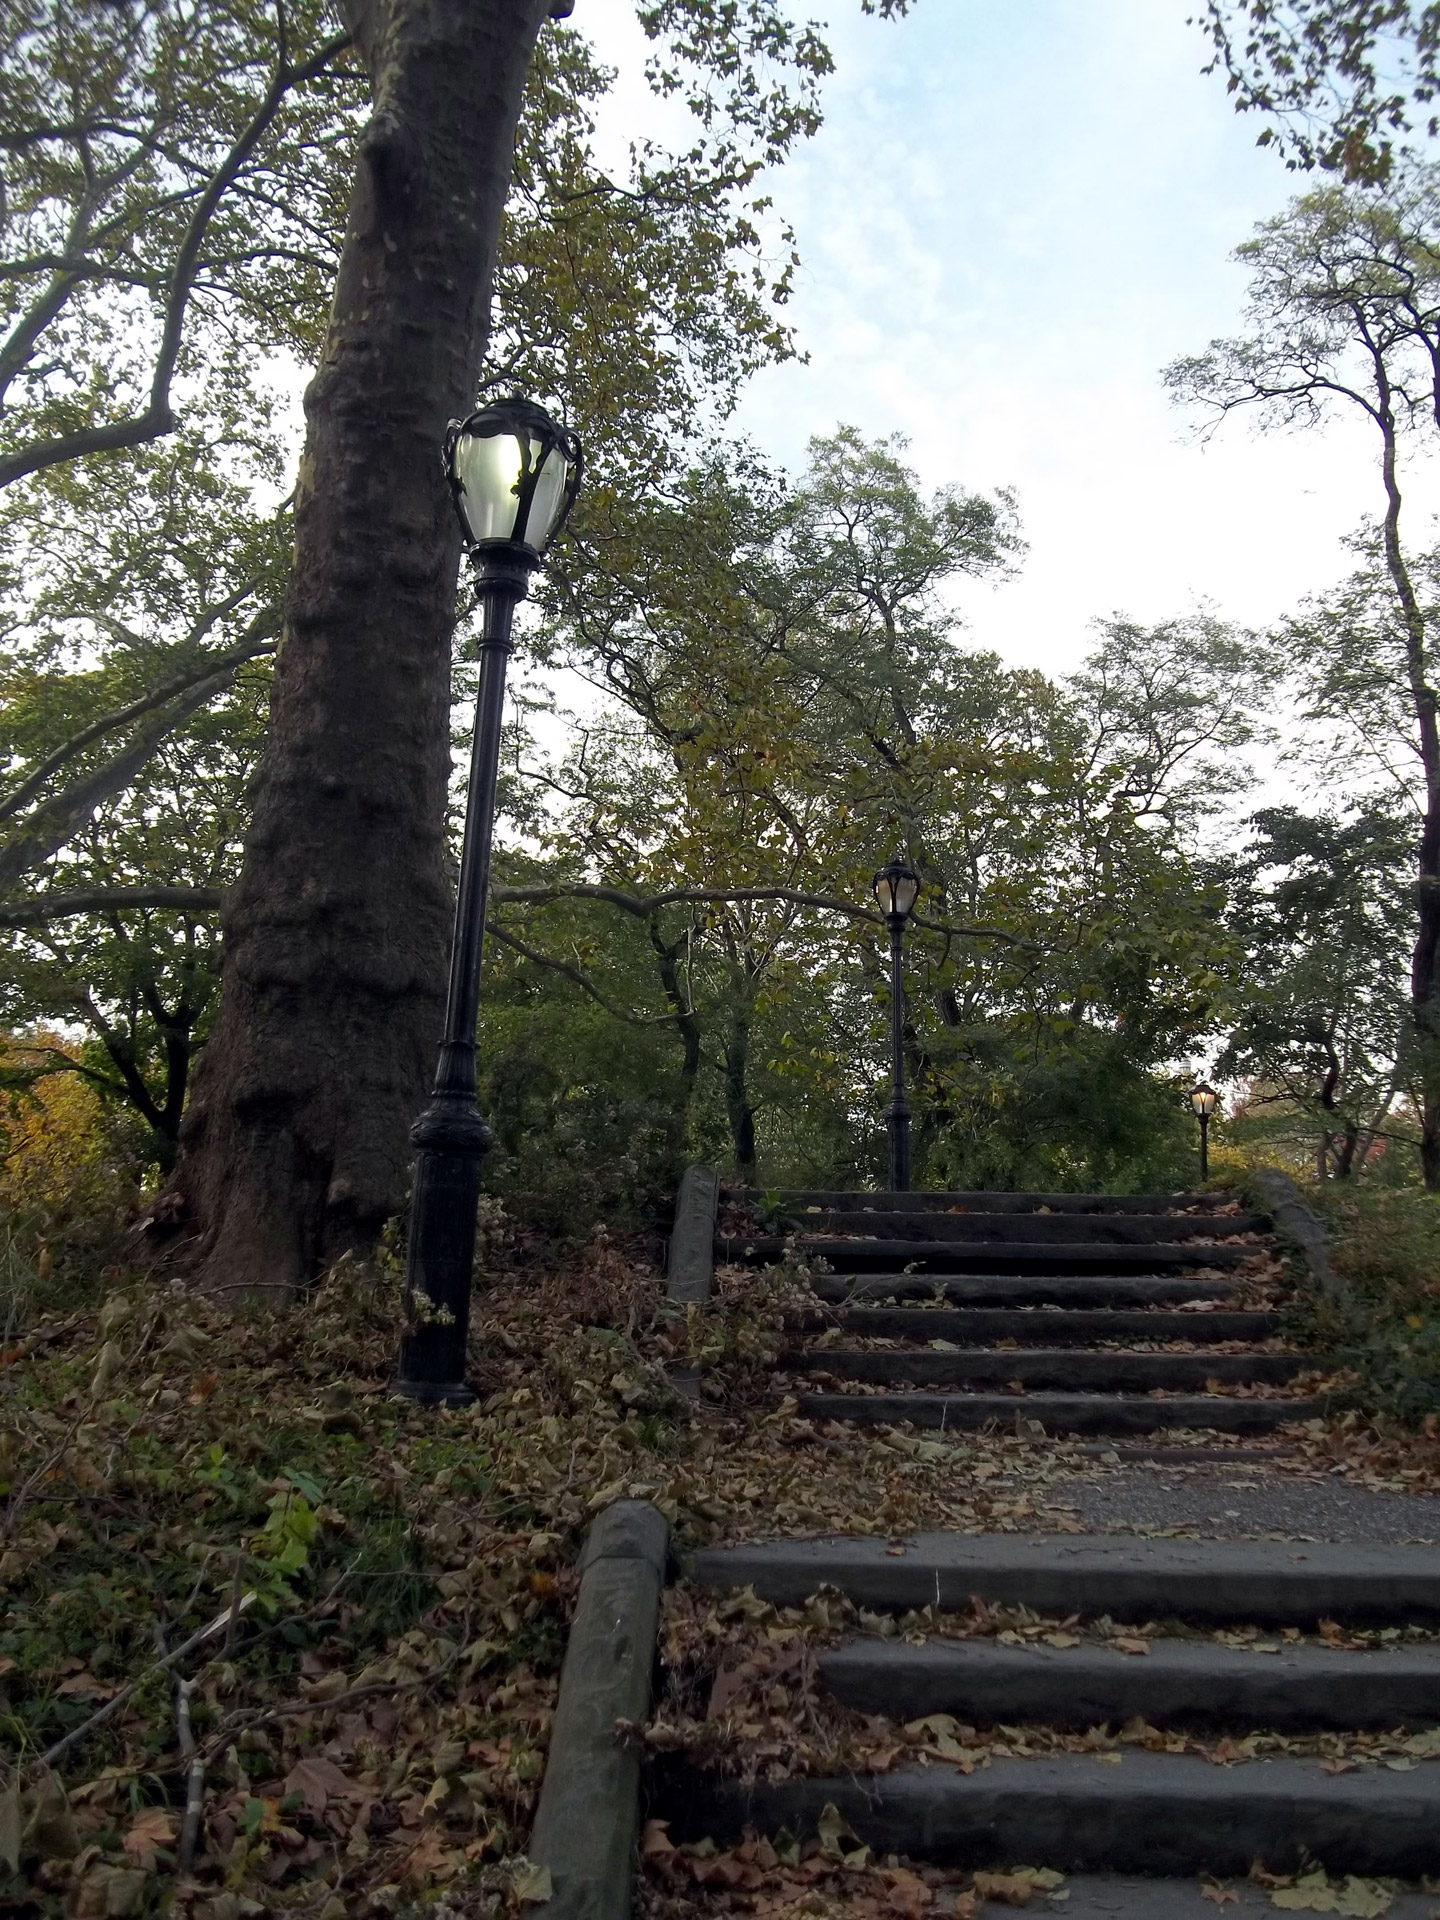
(1317, 1893)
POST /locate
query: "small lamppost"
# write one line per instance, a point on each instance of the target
(514, 474)
(896, 888)
(1202, 1104)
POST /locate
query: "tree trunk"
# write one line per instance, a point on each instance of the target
(687, 1025)
(739, 1109)
(1425, 960)
(295, 1148)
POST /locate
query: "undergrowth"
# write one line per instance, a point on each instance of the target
(1384, 1324)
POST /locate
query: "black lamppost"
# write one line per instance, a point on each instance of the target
(897, 888)
(1202, 1104)
(514, 474)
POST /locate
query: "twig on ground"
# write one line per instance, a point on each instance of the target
(101, 1714)
(194, 1779)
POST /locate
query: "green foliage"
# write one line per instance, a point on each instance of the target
(1386, 1324)
(1335, 81)
(1324, 906)
(795, 700)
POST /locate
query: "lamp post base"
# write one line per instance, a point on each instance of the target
(435, 1393)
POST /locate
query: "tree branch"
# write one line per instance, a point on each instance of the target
(62, 906)
(642, 906)
(158, 419)
(249, 649)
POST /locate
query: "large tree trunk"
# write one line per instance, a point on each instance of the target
(295, 1148)
(1425, 960)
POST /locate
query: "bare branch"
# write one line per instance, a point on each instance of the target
(63, 906)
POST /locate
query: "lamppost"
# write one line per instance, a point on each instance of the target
(514, 474)
(896, 888)
(1202, 1104)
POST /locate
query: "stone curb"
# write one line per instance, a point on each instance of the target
(690, 1268)
(588, 1820)
(1277, 1195)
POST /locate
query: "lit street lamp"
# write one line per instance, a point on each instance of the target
(514, 474)
(1202, 1104)
(896, 888)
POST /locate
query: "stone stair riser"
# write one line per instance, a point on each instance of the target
(1042, 1326)
(1065, 1371)
(1023, 1290)
(1179, 1683)
(1153, 1813)
(985, 1257)
(1061, 1412)
(794, 1204)
(1049, 1229)
(1207, 1582)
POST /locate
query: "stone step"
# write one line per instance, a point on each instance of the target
(1062, 1370)
(1113, 1896)
(1154, 1813)
(853, 1202)
(1042, 1326)
(1209, 1582)
(1048, 1229)
(987, 1257)
(1023, 1290)
(1062, 1412)
(1179, 1683)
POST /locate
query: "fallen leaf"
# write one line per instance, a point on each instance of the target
(833, 1829)
(1019, 1888)
(655, 1842)
(1220, 1896)
(1314, 1893)
(906, 1893)
(1126, 1643)
(532, 1883)
(152, 1827)
(728, 1683)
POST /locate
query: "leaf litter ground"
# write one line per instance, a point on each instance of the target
(272, 1640)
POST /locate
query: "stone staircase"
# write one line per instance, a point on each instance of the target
(1156, 1813)
(1132, 1711)
(1091, 1314)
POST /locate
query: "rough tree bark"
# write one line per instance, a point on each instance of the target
(294, 1148)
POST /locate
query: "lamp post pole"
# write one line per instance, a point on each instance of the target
(1202, 1105)
(899, 1106)
(897, 887)
(515, 475)
(450, 1137)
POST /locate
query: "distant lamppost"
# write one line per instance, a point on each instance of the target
(896, 888)
(1202, 1103)
(514, 474)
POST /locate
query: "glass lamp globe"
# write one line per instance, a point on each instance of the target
(897, 887)
(1202, 1099)
(514, 473)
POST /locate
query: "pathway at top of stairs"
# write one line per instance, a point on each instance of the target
(1151, 1327)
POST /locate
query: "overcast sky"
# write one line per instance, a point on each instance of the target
(1017, 213)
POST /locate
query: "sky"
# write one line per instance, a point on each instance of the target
(1017, 213)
